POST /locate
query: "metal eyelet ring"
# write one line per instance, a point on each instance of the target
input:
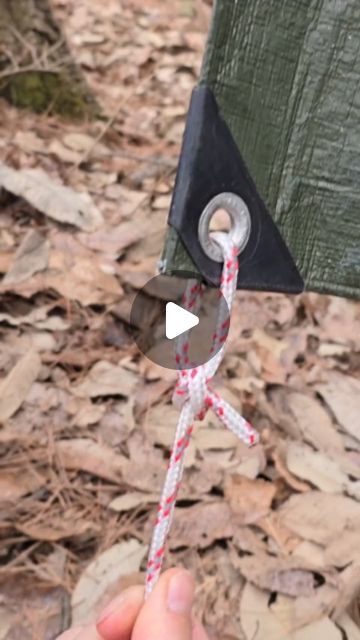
(240, 224)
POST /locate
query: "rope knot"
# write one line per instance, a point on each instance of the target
(193, 389)
(192, 386)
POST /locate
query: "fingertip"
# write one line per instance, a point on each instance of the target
(167, 611)
(117, 620)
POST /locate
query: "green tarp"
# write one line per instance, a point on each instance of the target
(286, 76)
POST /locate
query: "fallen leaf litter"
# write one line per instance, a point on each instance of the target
(271, 534)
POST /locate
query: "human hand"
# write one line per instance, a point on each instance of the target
(166, 614)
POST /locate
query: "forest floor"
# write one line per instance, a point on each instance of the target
(272, 534)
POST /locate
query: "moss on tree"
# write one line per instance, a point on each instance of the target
(46, 91)
(36, 70)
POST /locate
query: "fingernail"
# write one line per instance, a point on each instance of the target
(181, 592)
(114, 606)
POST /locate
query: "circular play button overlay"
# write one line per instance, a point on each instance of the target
(177, 322)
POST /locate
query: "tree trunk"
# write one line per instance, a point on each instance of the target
(36, 70)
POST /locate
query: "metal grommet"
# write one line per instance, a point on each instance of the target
(240, 224)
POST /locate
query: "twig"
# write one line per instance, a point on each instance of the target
(54, 47)
(22, 555)
(10, 56)
(40, 64)
(30, 68)
(30, 48)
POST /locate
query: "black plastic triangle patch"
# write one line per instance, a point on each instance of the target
(211, 163)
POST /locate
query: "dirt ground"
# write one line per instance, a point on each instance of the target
(272, 534)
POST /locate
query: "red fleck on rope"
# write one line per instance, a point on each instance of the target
(194, 396)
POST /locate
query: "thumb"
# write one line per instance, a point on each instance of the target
(167, 611)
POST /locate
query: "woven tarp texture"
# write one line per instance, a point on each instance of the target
(286, 76)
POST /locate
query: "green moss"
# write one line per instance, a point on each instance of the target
(45, 91)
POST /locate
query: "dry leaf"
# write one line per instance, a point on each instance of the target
(149, 394)
(280, 466)
(321, 470)
(349, 462)
(350, 629)
(144, 477)
(162, 202)
(285, 575)
(295, 613)
(249, 499)
(88, 413)
(112, 240)
(100, 575)
(52, 199)
(68, 525)
(31, 608)
(31, 256)
(314, 422)
(264, 340)
(244, 461)
(343, 550)
(106, 379)
(75, 272)
(15, 387)
(200, 479)
(284, 539)
(14, 485)
(132, 500)
(259, 622)
(200, 525)
(150, 371)
(85, 282)
(349, 587)
(311, 553)
(83, 454)
(214, 438)
(342, 394)
(269, 350)
(304, 617)
(320, 517)
(29, 142)
(127, 201)
(159, 423)
(248, 539)
(251, 463)
(82, 143)
(85, 279)
(63, 153)
(38, 318)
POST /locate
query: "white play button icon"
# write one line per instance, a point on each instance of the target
(160, 317)
(178, 320)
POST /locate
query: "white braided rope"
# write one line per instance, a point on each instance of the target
(194, 397)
